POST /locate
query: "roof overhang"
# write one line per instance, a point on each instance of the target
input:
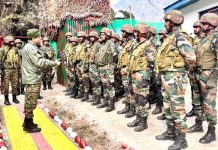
(179, 5)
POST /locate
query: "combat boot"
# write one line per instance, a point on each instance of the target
(70, 92)
(30, 127)
(111, 106)
(162, 117)
(125, 110)
(157, 110)
(49, 86)
(67, 89)
(15, 99)
(131, 113)
(103, 104)
(44, 86)
(197, 127)
(96, 101)
(93, 98)
(142, 125)
(7, 102)
(134, 123)
(25, 121)
(18, 91)
(192, 112)
(85, 97)
(209, 137)
(179, 143)
(22, 91)
(80, 95)
(167, 135)
(40, 97)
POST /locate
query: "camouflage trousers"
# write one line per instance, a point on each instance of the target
(47, 75)
(83, 78)
(107, 79)
(95, 79)
(31, 97)
(208, 87)
(174, 86)
(140, 87)
(125, 80)
(10, 75)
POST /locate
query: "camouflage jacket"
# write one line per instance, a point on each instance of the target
(33, 63)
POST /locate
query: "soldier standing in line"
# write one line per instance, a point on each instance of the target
(196, 98)
(20, 88)
(106, 59)
(9, 62)
(207, 65)
(48, 53)
(141, 67)
(175, 59)
(33, 63)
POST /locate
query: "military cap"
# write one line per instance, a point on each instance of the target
(8, 39)
(210, 18)
(175, 16)
(17, 41)
(33, 33)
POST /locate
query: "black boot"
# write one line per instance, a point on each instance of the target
(40, 97)
(70, 92)
(103, 104)
(167, 135)
(131, 113)
(67, 89)
(96, 101)
(22, 91)
(85, 97)
(157, 110)
(29, 126)
(111, 106)
(49, 85)
(7, 102)
(134, 123)
(191, 113)
(209, 137)
(80, 95)
(25, 120)
(179, 143)
(93, 98)
(142, 125)
(15, 99)
(197, 127)
(125, 110)
(162, 117)
(18, 91)
(44, 85)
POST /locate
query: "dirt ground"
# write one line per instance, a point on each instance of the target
(106, 131)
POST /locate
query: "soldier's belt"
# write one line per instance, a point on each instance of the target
(201, 70)
(169, 72)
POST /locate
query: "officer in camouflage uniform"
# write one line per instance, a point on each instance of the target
(106, 59)
(71, 69)
(93, 71)
(20, 88)
(176, 57)
(196, 98)
(64, 53)
(207, 64)
(159, 104)
(141, 66)
(48, 53)
(123, 61)
(9, 62)
(81, 67)
(32, 65)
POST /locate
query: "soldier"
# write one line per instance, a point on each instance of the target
(207, 60)
(105, 62)
(176, 57)
(20, 88)
(9, 62)
(141, 66)
(81, 68)
(32, 63)
(159, 104)
(93, 71)
(123, 61)
(153, 36)
(196, 98)
(64, 53)
(48, 53)
(71, 69)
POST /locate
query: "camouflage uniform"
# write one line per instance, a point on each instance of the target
(176, 57)
(207, 64)
(9, 59)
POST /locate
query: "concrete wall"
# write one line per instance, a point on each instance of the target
(191, 12)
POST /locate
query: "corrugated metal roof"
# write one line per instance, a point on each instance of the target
(179, 5)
